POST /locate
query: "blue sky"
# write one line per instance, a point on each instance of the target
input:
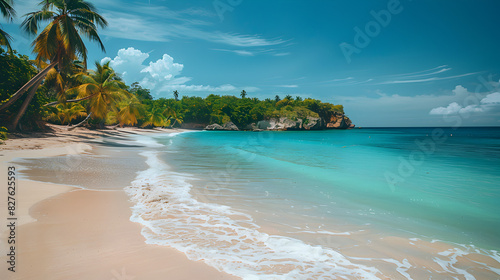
(390, 63)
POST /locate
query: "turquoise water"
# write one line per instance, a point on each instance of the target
(403, 203)
(452, 194)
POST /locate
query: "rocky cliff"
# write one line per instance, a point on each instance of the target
(335, 121)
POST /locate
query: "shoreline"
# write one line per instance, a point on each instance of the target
(87, 228)
(67, 232)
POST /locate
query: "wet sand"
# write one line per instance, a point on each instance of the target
(64, 232)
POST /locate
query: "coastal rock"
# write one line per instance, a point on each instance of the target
(230, 126)
(227, 126)
(263, 125)
(193, 125)
(214, 126)
(338, 122)
(280, 124)
(252, 127)
(312, 123)
(335, 121)
(289, 124)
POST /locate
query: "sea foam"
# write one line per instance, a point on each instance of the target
(226, 239)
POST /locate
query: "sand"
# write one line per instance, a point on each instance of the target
(64, 232)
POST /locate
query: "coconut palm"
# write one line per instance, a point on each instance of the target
(172, 117)
(129, 111)
(61, 81)
(59, 43)
(102, 88)
(8, 13)
(155, 117)
(176, 95)
(243, 94)
(66, 112)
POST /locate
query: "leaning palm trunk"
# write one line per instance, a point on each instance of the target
(80, 123)
(26, 103)
(37, 79)
(60, 41)
(71, 100)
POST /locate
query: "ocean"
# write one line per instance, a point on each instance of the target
(374, 203)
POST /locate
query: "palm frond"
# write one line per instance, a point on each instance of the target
(5, 39)
(32, 20)
(7, 10)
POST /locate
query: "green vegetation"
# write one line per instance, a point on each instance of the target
(100, 94)
(58, 88)
(16, 71)
(3, 133)
(8, 13)
(57, 46)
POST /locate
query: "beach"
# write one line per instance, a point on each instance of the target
(131, 203)
(67, 232)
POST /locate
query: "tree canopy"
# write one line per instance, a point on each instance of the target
(103, 98)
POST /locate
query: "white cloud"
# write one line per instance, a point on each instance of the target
(254, 52)
(158, 29)
(160, 76)
(341, 80)
(384, 109)
(128, 63)
(485, 104)
(238, 52)
(288, 86)
(427, 79)
(164, 68)
(421, 73)
(453, 108)
(493, 98)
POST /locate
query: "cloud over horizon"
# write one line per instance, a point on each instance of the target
(486, 104)
(160, 76)
(475, 108)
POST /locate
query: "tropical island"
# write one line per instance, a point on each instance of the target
(98, 98)
(57, 87)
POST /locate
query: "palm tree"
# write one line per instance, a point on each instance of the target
(8, 13)
(173, 118)
(243, 94)
(130, 110)
(66, 112)
(289, 97)
(101, 87)
(277, 98)
(176, 95)
(60, 42)
(155, 117)
(61, 81)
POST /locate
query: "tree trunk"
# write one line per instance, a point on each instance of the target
(26, 102)
(37, 78)
(80, 123)
(175, 121)
(72, 100)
